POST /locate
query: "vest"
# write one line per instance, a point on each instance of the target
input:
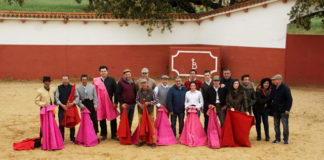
(128, 94)
(162, 94)
(148, 97)
(64, 93)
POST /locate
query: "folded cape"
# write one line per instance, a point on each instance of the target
(163, 131)
(123, 130)
(86, 135)
(71, 116)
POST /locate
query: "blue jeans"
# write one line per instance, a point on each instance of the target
(264, 116)
(277, 116)
(130, 114)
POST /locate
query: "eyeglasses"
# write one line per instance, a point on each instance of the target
(144, 73)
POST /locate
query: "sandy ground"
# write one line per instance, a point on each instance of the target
(19, 119)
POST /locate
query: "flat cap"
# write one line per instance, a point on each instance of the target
(145, 70)
(277, 76)
(143, 80)
(126, 70)
(216, 78)
(165, 77)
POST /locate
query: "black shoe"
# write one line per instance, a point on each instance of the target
(115, 138)
(267, 139)
(153, 145)
(286, 143)
(103, 138)
(275, 141)
(258, 138)
(72, 140)
(140, 144)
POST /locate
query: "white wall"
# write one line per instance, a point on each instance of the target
(260, 27)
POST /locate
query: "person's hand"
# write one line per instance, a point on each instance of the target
(147, 103)
(232, 109)
(115, 105)
(141, 106)
(211, 106)
(64, 107)
(124, 105)
(224, 107)
(287, 112)
(69, 105)
(82, 108)
(96, 108)
(247, 113)
(222, 85)
(171, 113)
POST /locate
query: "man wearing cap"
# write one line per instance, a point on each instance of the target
(147, 95)
(216, 96)
(45, 96)
(126, 95)
(176, 104)
(88, 99)
(282, 102)
(161, 92)
(145, 75)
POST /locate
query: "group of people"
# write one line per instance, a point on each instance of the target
(104, 95)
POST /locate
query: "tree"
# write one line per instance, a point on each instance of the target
(304, 10)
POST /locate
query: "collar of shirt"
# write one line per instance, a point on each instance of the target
(208, 83)
(164, 86)
(216, 89)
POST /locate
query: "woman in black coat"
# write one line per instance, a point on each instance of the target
(262, 107)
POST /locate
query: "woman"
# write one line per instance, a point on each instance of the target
(261, 107)
(236, 98)
(193, 133)
(194, 99)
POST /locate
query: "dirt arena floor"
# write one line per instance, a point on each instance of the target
(19, 119)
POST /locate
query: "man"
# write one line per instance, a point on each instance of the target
(88, 99)
(62, 95)
(161, 92)
(204, 87)
(176, 104)
(126, 95)
(282, 102)
(110, 85)
(146, 94)
(249, 91)
(227, 80)
(192, 77)
(145, 75)
(45, 95)
(216, 96)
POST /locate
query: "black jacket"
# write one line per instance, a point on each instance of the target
(211, 97)
(282, 99)
(110, 84)
(261, 99)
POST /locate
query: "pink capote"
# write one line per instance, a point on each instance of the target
(86, 135)
(213, 130)
(193, 134)
(163, 131)
(106, 109)
(52, 138)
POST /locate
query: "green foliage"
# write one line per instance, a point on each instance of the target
(305, 10)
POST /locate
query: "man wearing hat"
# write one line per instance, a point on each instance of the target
(45, 95)
(216, 96)
(161, 92)
(145, 75)
(126, 95)
(146, 94)
(282, 102)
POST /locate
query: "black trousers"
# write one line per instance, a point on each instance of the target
(113, 128)
(72, 130)
(93, 114)
(174, 117)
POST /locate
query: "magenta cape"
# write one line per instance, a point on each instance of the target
(106, 109)
(193, 134)
(236, 129)
(86, 135)
(213, 130)
(52, 138)
(163, 131)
